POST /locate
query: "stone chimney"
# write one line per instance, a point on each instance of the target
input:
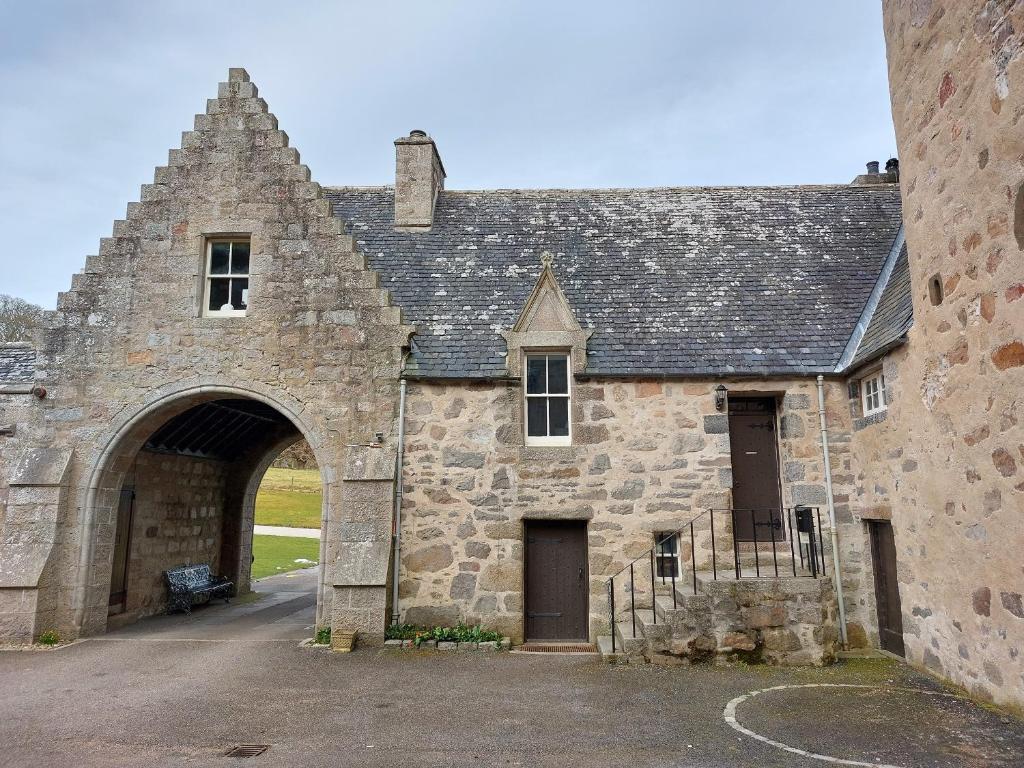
(891, 175)
(419, 176)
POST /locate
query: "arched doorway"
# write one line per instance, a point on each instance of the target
(177, 485)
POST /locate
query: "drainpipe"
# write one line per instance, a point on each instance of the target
(831, 511)
(398, 502)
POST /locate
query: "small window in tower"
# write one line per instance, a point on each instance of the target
(935, 292)
(873, 393)
(227, 277)
(547, 400)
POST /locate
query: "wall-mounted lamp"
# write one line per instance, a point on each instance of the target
(720, 397)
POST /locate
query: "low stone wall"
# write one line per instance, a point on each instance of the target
(444, 645)
(789, 621)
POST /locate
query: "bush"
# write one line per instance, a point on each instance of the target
(457, 634)
(323, 636)
(49, 637)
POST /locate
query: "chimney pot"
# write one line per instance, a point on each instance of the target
(417, 133)
(873, 167)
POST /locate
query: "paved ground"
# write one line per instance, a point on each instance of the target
(284, 530)
(174, 691)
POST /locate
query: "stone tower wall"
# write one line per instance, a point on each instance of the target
(956, 73)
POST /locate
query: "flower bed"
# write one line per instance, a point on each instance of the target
(461, 637)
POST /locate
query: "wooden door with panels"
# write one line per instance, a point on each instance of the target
(556, 580)
(756, 488)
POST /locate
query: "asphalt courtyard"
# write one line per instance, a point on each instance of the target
(181, 691)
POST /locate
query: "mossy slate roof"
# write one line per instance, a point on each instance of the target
(17, 363)
(892, 317)
(694, 281)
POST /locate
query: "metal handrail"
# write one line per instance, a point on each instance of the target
(781, 518)
(657, 543)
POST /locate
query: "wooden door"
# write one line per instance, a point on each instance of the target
(887, 588)
(122, 544)
(756, 496)
(556, 580)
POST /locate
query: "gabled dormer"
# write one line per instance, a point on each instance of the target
(546, 323)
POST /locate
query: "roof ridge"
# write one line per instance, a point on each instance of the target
(602, 190)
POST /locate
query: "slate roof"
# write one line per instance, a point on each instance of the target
(892, 317)
(674, 281)
(17, 363)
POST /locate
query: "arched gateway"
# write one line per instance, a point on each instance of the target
(228, 315)
(176, 481)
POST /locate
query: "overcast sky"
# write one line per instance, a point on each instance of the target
(516, 94)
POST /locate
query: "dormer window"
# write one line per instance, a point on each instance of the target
(547, 399)
(227, 277)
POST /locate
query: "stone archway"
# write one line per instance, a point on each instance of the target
(156, 443)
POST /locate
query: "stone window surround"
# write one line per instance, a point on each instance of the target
(207, 239)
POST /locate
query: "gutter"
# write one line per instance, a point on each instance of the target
(872, 303)
(397, 536)
(831, 512)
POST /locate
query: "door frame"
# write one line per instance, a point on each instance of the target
(117, 602)
(585, 525)
(780, 531)
(880, 573)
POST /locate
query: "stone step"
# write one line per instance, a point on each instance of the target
(626, 643)
(604, 647)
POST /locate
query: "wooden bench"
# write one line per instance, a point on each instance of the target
(189, 582)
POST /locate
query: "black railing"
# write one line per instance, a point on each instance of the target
(796, 529)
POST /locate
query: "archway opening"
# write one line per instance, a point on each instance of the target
(181, 486)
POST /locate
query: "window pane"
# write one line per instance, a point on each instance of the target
(558, 376)
(239, 292)
(218, 294)
(240, 258)
(219, 253)
(535, 375)
(667, 547)
(537, 417)
(559, 414)
(668, 567)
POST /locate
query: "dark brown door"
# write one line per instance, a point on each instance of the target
(887, 589)
(122, 544)
(556, 580)
(756, 498)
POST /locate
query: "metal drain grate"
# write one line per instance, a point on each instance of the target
(557, 648)
(247, 750)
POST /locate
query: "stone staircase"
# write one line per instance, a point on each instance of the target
(785, 620)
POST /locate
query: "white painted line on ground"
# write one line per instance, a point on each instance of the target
(729, 713)
(284, 530)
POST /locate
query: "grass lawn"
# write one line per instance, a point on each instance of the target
(289, 497)
(277, 554)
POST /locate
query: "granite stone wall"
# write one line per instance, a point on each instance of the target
(951, 461)
(647, 456)
(128, 348)
(177, 520)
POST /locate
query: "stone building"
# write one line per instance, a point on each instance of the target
(694, 381)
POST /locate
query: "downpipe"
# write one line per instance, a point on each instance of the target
(397, 536)
(831, 512)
